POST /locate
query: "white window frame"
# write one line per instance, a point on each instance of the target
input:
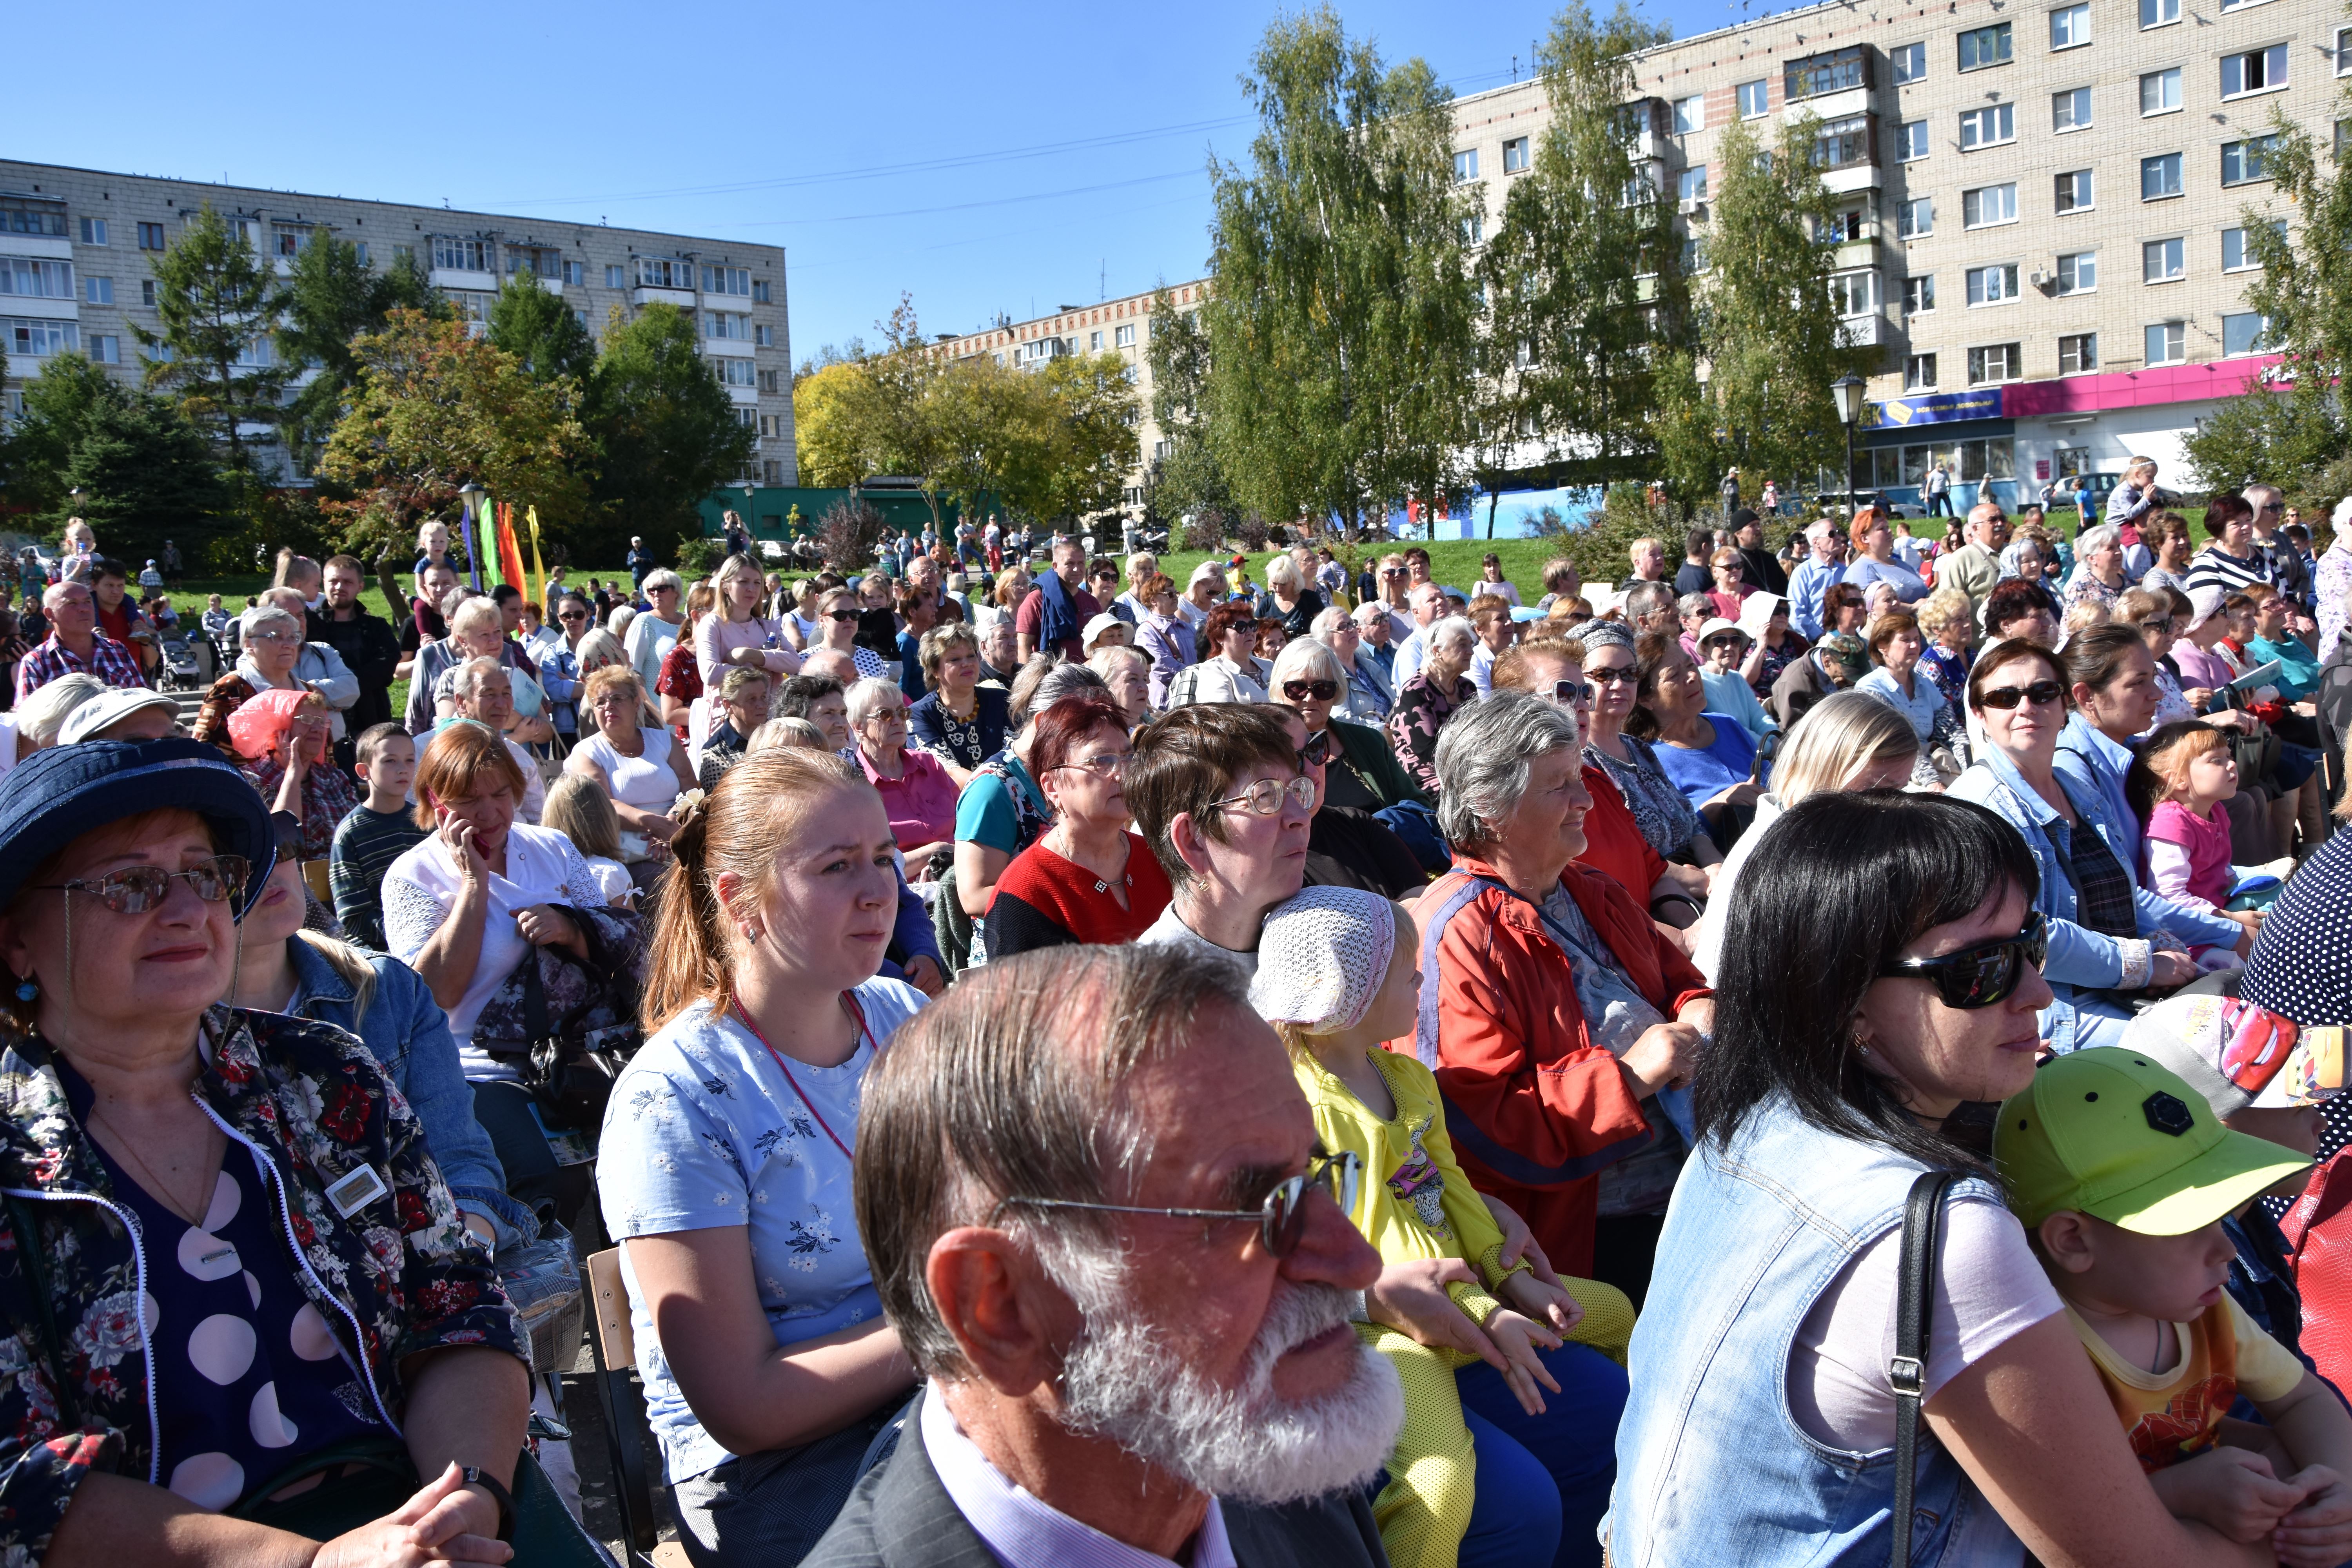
(37, 277)
(1518, 154)
(1690, 184)
(2071, 97)
(2014, 358)
(1912, 365)
(105, 348)
(1920, 287)
(2344, 51)
(2176, 258)
(2239, 56)
(1842, 287)
(1123, 337)
(2181, 173)
(1465, 164)
(97, 290)
(1907, 63)
(1910, 134)
(93, 231)
(1980, 192)
(2072, 19)
(615, 276)
(2065, 287)
(2002, 276)
(1763, 92)
(2074, 177)
(2168, 328)
(2080, 368)
(1905, 228)
(2268, 142)
(1690, 114)
(1991, 125)
(2257, 346)
(2169, 75)
(2156, 8)
(2245, 262)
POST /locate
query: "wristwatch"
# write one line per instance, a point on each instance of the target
(477, 1476)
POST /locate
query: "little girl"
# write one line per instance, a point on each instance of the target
(1336, 977)
(578, 808)
(2187, 771)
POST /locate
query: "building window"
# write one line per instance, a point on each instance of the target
(1994, 363)
(32, 279)
(1994, 285)
(1465, 165)
(1755, 99)
(2238, 252)
(1919, 372)
(1474, 225)
(665, 272)
(2244, 334)
(2344, 51)
(360, 249)
(764, 336)
(2158, 12)
(40, 338)
(1839, 229)
(403, 253)
(734, 371)
(616, 277)
(2074, 190)
(2167, 342)
(1690, 114)
(32, 215)
(147, 292)
(98, 290)
(1910, 140)
(760, 292)
(1094, 342)
(2078, 353)
(1910, 62)
(289, 238)
(726, 324)
(748, 418)
(1690, 185)
(1982, 47)
(1819, 74)
(1514, 155)
(1987, 127)
(1842, 143)
(2070, 27)
(151, 236)
(771, 381)
(2160, 91)
(2078, 272)
(464, 255)
(1987, 205)
(107, 349)
(1919, 295)
(575, 274)
(2163, 261)
(1916, 219)
(2261, 70)
(581, 316)
(2070, 110)
(1123, 337)
(727, 281)
(93, 231)
(1855, 293)
(2244, 163)
(2160, 176)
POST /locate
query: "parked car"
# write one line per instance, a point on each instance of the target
(1842, 503)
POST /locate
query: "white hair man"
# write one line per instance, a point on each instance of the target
(483, 691)
(1975, 567)
(1428, 603)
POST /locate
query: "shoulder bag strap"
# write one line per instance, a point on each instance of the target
(534, 998)
(1923, 1220)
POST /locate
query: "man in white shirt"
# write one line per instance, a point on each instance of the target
(1428, 601)
(1097, 1391)
(1212, 789)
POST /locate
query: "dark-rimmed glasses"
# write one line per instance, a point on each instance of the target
(1318, 750)
(135, 890)
(2042, 694)
(1627, 674)
(1281, 1219)
(1982, 976)
(1264, 798)
(1320, 691)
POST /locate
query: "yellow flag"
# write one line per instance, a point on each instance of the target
(537, 588)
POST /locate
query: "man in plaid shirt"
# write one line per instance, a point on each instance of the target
(75, 644)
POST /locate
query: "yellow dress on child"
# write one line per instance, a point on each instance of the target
(1414, 1205)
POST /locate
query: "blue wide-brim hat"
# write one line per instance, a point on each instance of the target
(54, 797)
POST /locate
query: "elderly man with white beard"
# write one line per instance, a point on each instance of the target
(1089, 1189)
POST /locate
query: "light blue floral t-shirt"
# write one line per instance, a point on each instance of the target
(704, 1130)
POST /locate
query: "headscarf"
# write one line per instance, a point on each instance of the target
(1597, 633)
(263, 720)
(1322, 956)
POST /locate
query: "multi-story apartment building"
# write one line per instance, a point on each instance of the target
(1122, 326)
(76, 244)
(2043, 209)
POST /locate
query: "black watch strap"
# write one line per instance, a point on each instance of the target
(477, 1476)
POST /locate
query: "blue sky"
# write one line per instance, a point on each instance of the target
(981, 158)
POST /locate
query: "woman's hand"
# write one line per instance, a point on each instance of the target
(2168, 970)
(1411, 1299)
(1661, 1058)
(544, 925)
(2231, 1490)
(457, 836)
(1516, 1336)
(439, 1524)
(1747, 793)
(1519, 1241)
(923, 973)
(1544, 1302)
(2318, 1532)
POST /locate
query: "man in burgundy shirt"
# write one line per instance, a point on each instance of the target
(1070, 567)
(119, 617)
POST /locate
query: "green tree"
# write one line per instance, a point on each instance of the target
(143, 473)
(1090, 416)
(59, 405)
(538, 328)
(897, 416)
(1188, 481)
(216, 304)
(330, 299)
(1584, 278)
(1341, 319)
(825, 437)
(1755, 393)
(666, 430)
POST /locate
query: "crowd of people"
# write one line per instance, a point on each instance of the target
(994, 963)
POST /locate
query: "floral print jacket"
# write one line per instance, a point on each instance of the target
(399, 1276)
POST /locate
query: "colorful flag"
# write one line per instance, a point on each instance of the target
(538, 572)
(509, 553)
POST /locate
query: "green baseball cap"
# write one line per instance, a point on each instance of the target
(2107, 1132)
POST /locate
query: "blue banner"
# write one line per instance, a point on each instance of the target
(1934, 409)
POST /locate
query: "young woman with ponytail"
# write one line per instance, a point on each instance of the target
(725, 1165)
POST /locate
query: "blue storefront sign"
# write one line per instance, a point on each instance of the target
(1934, 409)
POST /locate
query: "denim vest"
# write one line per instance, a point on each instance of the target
(1712, 1465)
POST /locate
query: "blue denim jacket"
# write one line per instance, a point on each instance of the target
(2089, 764)
(1712, 1467)
(409, 1034)
(2081, 959)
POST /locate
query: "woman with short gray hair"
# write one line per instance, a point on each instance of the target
(1553, 1006)
(2099, 576)
(1430, 697)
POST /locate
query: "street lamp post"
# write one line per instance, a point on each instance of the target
(1848, 389)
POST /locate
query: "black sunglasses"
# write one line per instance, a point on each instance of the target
(1982, 976)
(844, 615)
(1318, 750)
(2042, 694)
(1300, 691)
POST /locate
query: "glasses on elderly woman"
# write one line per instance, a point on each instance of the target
(1264, 798)
(1320, 691)
(1982, 976)
(135, 890)
(1281, 1219)
(273, 636)
(2042, 694)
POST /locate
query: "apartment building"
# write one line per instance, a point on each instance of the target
(76, 245)
(2042, 211)
(1122, 326)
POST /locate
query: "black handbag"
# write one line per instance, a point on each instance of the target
(569, 1071)
(1923, 1218)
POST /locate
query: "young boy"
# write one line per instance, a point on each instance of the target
(378, 831)
(2123, 1175)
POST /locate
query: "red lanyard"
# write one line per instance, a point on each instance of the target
(857, 1012)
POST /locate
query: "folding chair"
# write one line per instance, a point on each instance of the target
(614, 1345)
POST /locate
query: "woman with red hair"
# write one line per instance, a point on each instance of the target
(1088, 878)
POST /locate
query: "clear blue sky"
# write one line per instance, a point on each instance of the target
(981, 158)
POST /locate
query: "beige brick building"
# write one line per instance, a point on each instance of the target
(75, 245)
(2043, 205)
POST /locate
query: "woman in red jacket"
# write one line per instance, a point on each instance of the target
(1551, 1008)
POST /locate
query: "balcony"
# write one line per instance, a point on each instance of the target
(681, 297)
(1848, 255)
(458, 277)
(1862, 331)
(1826, 75)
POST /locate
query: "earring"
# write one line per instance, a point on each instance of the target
(26, 990)
(752, 933)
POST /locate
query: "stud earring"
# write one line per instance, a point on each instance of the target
(26, 991)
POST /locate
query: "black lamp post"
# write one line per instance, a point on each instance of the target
(1848, 389)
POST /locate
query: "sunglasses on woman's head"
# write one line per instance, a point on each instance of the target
(1320, 691)
(2042, 694)
(1982, 976)
(135, 890)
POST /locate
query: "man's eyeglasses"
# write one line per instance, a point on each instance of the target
(2042, 694)
(135, 890)
(1281, 1219)
(1982, 976)
(1264, 798)
(1320, 691)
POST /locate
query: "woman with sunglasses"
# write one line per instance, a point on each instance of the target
(1087, 878)
(1233, 671)
(1365, 698)
(1730, 588)
(1162, 634)
(159, 1146)
(1669, 822)
(1828, 1090)
(2106, 933)
(1364, 774)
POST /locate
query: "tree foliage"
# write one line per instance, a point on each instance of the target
(538, 328)
(331, 298)
(826, 434)
(216, 304)
(143, 472)
(1756, 391)
(665, 429)
(1342, 319)
(1188, 481)
(1584, 279)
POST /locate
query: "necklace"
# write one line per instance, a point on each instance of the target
(127, 1149)
(1067, 850)
(858, 1026)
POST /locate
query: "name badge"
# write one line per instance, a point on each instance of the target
(354, 1192)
